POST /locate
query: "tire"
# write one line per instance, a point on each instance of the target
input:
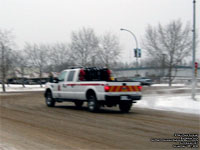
(50, 102)
(93, 105)
(125, 106)
(78, 104)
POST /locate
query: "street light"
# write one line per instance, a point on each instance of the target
(136, 44)
(194, 51)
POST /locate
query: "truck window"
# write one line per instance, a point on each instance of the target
(62, 76)
(71, 76)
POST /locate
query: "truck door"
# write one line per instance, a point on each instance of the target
(69, 87)
(59, 92)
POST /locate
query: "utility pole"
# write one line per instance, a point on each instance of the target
(194, 53)
(3, 67)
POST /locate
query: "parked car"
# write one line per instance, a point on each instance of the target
(143, 81)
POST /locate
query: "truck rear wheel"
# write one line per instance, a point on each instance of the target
(125, 106)
(50, 102)
(93, 105)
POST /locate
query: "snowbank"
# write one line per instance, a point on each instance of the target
(176, 85)
(177, 103)
(27, 88)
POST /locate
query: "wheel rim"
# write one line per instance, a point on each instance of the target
(48, 99)
(91, 105)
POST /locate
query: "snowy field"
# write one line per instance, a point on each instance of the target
(170, 100)
(174, 85)
(175, 102)
(167, 102)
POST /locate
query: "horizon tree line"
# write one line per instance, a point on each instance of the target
(87, 49)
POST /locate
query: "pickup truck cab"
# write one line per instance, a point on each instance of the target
(94, 86)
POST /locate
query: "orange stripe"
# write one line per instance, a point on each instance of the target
(129, 88)
(133, 88)
(117, 88)
(114, 89)
(136, 88)
(123, 88)
(120, 89)
(111, 88)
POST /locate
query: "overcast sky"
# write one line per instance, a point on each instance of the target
(50, 21)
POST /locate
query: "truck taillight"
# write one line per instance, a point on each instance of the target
(140, 88)
(106, 88)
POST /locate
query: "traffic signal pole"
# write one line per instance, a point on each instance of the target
(194, 53)
(136, 45)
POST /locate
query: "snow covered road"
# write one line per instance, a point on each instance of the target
(27, 124)
(176, 98)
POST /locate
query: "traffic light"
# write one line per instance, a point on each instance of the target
(196, 65)
(137, 52)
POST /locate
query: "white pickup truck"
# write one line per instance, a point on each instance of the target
(94, 86)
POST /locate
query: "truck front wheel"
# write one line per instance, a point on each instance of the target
(93, 105)
(50, 102)
(125, 106)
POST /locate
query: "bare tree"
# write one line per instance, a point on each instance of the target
(174, 40)
(60, 56)
(6, 44)
(84, 46)
(109, 49)
(20, 63)
(37, 57)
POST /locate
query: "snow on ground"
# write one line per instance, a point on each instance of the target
(174, 102)
(175, 85)
(179, 85)
(27, 88)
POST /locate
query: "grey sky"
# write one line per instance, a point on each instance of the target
(50, 21)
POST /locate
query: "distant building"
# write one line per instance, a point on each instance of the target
(28, 76)
(29, 73)
(182, 73)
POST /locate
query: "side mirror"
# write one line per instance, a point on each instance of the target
(55, 80)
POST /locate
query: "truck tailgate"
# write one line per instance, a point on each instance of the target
(123, 87)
